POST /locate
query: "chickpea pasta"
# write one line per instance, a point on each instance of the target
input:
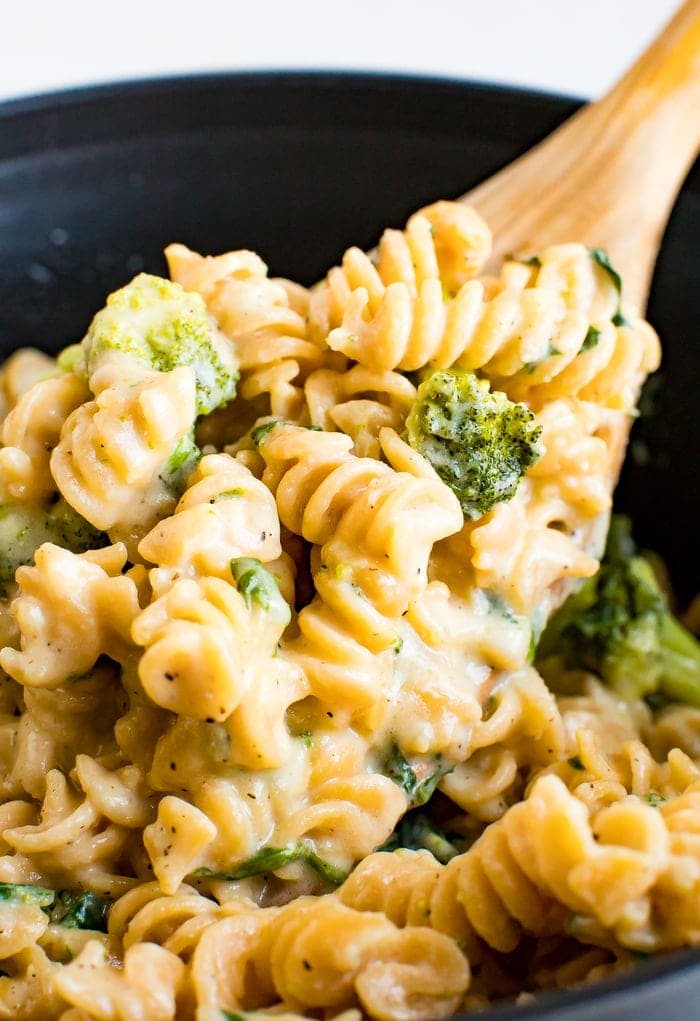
(275, 565)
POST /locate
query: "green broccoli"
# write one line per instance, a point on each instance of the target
(24, 527)
(479, 442)
(618, 625)
(164, 326)
(71, 359)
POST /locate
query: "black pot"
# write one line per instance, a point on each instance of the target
(94, 183)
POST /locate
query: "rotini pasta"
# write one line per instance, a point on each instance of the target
(272, 743)
(30, 432)
(112, 450)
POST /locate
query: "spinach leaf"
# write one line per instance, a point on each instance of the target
(417, 832)
(402, 773)
(81, 910)
(591, 339)
(73, 910)
(600, 256)
(254, 582)
(259, 433)
(268, 859)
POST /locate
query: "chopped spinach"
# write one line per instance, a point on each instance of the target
(73, 910)
(256, 583)
(416, 832)
(260, 432)
(401, 772)
(591, 340)
(601, 257)
(81, 910)
(268, 859)
(19, 893)
(181, 463)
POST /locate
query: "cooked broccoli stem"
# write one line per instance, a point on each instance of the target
(479, 442)
(680, 661)
(24, 527)
(618, 625)
(73, 910)
(164, 326)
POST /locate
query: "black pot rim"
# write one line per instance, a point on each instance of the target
(552, 1005)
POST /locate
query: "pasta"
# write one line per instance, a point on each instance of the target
(272, 741)
(108, 461)
(548, 869)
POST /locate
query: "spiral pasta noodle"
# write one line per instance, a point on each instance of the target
(71, 609)
(112, 450)
(545, 867)
(360, 402)
(540, 332)
(346, 504)
(393, 314)
(265, 318)
(21, 371)
(30, 432)
(272, 742)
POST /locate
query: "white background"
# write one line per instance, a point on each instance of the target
(571, 46)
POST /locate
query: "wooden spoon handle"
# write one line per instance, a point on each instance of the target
(608, 177)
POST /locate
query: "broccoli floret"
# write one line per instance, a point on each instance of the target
(479, 442)
(72, 359)
(24, 527)
(618, 625)
(164, 326)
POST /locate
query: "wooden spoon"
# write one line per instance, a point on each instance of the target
(609, 175)
(607, 178)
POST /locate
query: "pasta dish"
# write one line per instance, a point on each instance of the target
(326, 688)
